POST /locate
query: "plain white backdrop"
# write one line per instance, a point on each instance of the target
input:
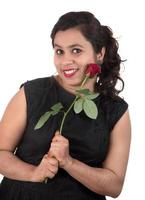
(26, 53)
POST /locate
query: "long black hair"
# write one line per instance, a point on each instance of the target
(99, 36)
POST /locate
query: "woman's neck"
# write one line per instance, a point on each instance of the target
(90, 84)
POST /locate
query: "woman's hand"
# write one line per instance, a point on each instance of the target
(60, 150)
(46, 169)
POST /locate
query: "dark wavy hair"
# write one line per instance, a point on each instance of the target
(99, 36)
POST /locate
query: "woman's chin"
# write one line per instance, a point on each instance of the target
(76, 82)
(73, 81)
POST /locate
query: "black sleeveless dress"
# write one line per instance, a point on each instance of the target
(88, 138)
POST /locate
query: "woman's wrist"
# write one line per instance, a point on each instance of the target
(68, 164)
(33, 175)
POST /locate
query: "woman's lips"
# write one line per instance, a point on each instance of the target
(69, 72)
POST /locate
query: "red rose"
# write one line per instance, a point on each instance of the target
(93, 69)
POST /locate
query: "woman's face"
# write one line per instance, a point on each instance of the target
(72, 54)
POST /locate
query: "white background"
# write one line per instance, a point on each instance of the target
(26, 53)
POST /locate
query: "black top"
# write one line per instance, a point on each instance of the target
(88, 138)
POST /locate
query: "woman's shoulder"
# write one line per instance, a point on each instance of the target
(114, 108)
(119, 107)
(116, 101)
(37, 88)
(37, 91)
(119, 102)
(41, 83)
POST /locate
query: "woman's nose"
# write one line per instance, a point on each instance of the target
(67, 60)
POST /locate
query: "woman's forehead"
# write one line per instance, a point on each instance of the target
(69, 38)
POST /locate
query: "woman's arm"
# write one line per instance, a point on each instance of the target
(12, 126)
(109, 179)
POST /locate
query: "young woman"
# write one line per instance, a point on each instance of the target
(89, 159)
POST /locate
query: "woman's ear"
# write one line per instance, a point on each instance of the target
(100, 55)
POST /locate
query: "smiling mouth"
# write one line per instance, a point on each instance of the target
(69, 72)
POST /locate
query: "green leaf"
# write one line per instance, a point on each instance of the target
(54, 112)
(78, 106)
(92, 96)
(84, 91)
(90, 109)
(57, 107)
(42, 120)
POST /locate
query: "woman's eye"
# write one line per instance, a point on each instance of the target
(76, 50)
(59, 51)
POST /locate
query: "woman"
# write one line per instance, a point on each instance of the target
(89, 159)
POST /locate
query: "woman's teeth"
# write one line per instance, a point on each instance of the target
(70, 71)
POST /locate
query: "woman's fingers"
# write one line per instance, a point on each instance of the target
(58, 137)
(47, 168)
(52, 168)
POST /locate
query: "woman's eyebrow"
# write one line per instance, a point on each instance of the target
(56, 45)
(70, 46)
(74, 45)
